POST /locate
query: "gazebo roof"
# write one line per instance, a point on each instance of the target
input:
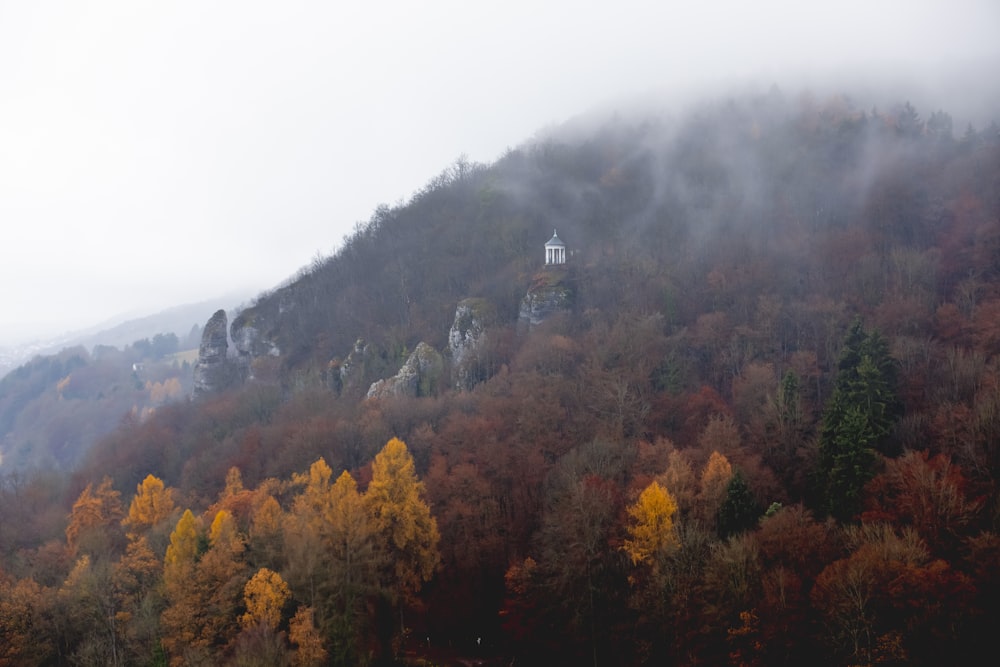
(555, 240)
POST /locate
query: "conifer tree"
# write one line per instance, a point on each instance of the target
(405, 531)
(858, 420)
(739, 510)
(153, 502)
(652, 530)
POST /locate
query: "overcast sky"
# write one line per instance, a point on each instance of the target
(156, 153)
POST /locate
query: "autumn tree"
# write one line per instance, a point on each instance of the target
(732, 582)
(266, 540)
(928, 493)
(852, 593)
(26, 636)
(221, 575)
(302, 632)
(580, 575)
(183, 547)
(264, 596)
(680, 479)
(89, 607)
(405, 529)
(306, 554)
(152, 503)
(180, 617)
(353, 567)
(137, 579)
(94, 523)
(714, 481)
(651, 532)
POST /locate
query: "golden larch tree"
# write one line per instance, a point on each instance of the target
(153, 503)
(652, 531)
(402, 520)
(264, 596)
(95, 520)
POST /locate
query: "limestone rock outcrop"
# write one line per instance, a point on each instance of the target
(467, 341)
(550, 293)
(351, 371)
(420, 376)
(213, 371)
(250, 341)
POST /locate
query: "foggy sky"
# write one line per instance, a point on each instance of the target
(156, 153)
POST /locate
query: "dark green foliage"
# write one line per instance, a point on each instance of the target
(739, 511)
(858, 420)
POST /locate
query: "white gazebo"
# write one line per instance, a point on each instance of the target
(555, 250)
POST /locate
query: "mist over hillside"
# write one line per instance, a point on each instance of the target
(184, 321)
(764, 379)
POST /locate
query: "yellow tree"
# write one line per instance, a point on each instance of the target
(405, 531)
(222, 573)
(652, 532)
(204, 596)
(305, 533)
(153, 503)
(95, 520)
(183, 546)
(266, 528)
(264, 596)
(180, 620)
(353, 566)
(234, 483)
(315, 496)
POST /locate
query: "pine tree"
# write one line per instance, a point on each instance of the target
(858, 421)
(739, 510)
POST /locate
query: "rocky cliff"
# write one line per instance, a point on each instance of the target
(420, 376)
(467, 340)
(250, 342)
(213, 371)
(550, 293)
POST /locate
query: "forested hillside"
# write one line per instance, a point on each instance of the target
(53, 408)
(765, 430)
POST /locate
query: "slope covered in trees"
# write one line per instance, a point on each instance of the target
(53, 408)
(764, 432)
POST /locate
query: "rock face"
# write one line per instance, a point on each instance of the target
(250, 344)
(351, 372)
(213, 372)
(419, 376)
(467, 341)
(249, 341)
(549, 294)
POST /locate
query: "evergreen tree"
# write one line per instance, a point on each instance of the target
(739, 510)
(858, 420)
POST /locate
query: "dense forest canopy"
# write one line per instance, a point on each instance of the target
(764, 429)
